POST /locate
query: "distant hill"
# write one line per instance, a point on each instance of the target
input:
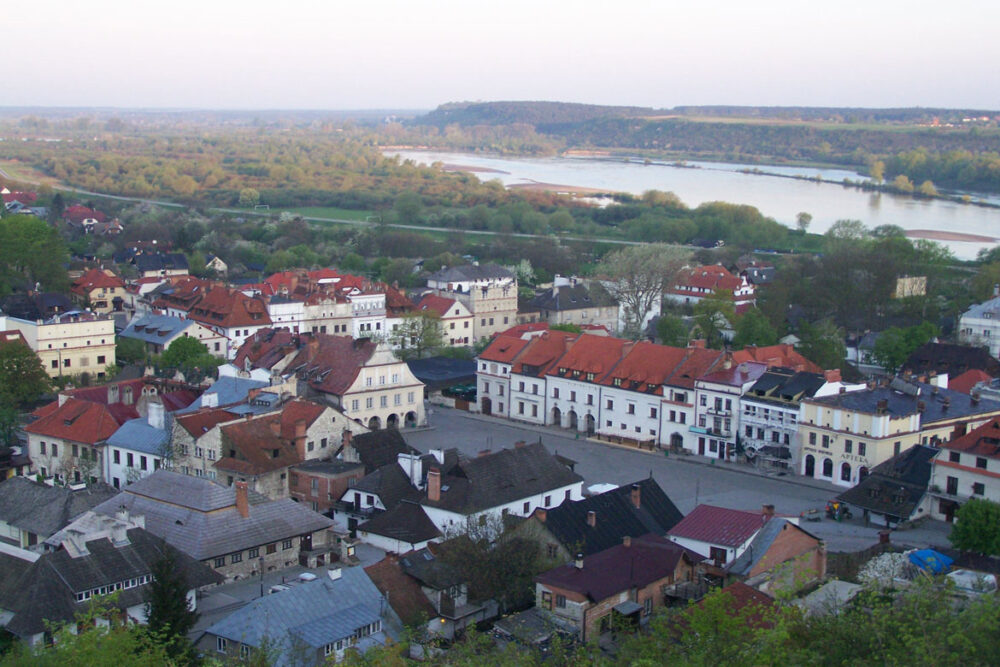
(530, 113)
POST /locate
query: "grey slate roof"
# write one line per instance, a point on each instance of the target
(784, 385)
(572, 297)
(425, 568)
(230, 390)
(500, 478)
(199, 516)
(471, 272)
(380, 448)
(616, 517)
(390, 484)
(156, 329)
(894, 487)
(46, 589)
(761, 543)
(406, 522)
(160, 262)
(43, 509)
(138, 436)
(903, 398)
(315, 613)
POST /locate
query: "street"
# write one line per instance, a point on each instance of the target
(687, 480)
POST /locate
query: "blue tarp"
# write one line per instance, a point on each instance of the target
(928, 559)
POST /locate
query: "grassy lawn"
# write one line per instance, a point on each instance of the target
(331, 212)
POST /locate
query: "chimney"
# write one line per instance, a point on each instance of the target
(242, 502)
(697, 343)
(882, 406)
(767, 511)
(636, 495)
(248, 416)
(119, 534)
(334, 573)
(542, 514)
(345, 443)
(578, 562)
(300, 437)
(275, 427)
(312, 348)
(591, 518)
(519, 444)
(122, 514)
(832, 375)
(974, 396)
(434, 485)
(627, 541)
(883, 537)
(155, 414)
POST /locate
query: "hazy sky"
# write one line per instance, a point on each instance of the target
(300, 54)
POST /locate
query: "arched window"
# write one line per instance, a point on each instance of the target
(845, 472)
(827, 468)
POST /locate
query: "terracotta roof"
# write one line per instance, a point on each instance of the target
(743, 597)
(543, 352)
(405, 596)
(737, 374)
(967, 380)
(203, 421)
(621, 568)
(13, 336)
(396, 302)
(981, 441)
(95, 279)
(80, 213)
(591, 354)
(697, 362)
(707, 277)
(257, 448)
(504, 349)
(436, 304)
(76, 420)
(718, 525)
(776, 355)
(226, 308)
(646, 367)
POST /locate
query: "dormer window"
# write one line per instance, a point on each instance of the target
(618, 382)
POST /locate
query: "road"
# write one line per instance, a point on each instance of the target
(687, 480)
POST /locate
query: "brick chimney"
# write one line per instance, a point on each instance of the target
(636, 495)
(242, 502)
(519, 444)
(832, 375)
(627, 541)
(434, 485)
(767, 511)
(300, 437)
(348, 450)
(591, 518)
(542, 514)
(697, 343)
(312, 348)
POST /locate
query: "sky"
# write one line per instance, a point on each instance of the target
(417, 54)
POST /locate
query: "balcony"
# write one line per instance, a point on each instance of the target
(770, 421)
(721, 412)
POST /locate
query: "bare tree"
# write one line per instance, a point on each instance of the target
(636, 277)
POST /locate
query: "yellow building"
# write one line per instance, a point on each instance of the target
(100, 290)
(845, 435)
(70, 343)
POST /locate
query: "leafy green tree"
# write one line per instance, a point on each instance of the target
(31, 251)
(902, 184)
(187, 354)
(753, 328)
(169, 611)
(712, 315)
(130, 350)
(636, 277)
(672, 331)
(8, 425)
(802, 221)
(927, 189)
(249, 197)
(977, 527)
(22, 377)
(408, 206)
(568, 327)
(823, 343)
(418, 335)
(895, 344)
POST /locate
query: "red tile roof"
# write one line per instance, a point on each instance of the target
(543, 352)
(13, 336)
(80, 213)
(436, 304)
(76, 420)
(698, 362)
(26, 198)
(967, 380)
(225, 308)
(707, 278)
(981, 441)
(258, 449)
(591, 354)
(96, 279)
(504, 349)
(737, 374)
(719, 525)
(744, 597)
(203, 421)
(646, 367)
(784, 355)
(405, 596)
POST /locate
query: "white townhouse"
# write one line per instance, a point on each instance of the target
(717, 408)
(966, 468)
(980, 324)
(574, 381)
(493, 380)
(368, 314)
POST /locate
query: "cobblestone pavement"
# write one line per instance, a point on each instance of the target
(687, 479)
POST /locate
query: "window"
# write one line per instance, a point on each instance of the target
(76, 450)
(812, 438)
(311, 445)
(500, 390)
(115, 453)
(717, 554)
(286, 544)
(978, 489)
(100, 359)
(611, 404)
(486, 387)
(552, 550)
(354, 405)
(397, 399)
(981, 462)
(370, 402)
(561, 601)
(65, 363)
(896, 446)
(220, 562)
(409, 397)
(129, 459)
(526, 508)
(244, 651)
(534, 410)
(826, 441)
(572, 396)
(631, 408)
(236, 557)
(861, 448)
(682, 417)
(647, 606)
(220, 644)
(955, 457)
(951, 486)
(143, 463)
(652, 413)
(271, 548)
(253, 553)
(555, 392)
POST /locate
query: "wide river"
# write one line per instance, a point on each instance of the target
(779, 198)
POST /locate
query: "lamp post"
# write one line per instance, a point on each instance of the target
(260, 564)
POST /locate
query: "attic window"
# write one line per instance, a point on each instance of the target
(618, 382)
(274, 453)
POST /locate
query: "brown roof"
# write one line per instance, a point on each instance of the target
(203, 421)
(405, 596)
(504, 349)
(591, 354)
(436, 304)
(967, 380)
(226, 308)
(698, 362)
(76, 420)
(646, 367)
(719, 525)
(12, 336)
(776, 355)
(95, 279)
(543, 352)
(253, 446)
(981, 441)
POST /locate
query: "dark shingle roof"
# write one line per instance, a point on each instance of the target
(46, 590)
(380, 448)
(616, 517)
(43, 509)
(572, 297)
(429, 571)
(390, 484)
(471, 272)
(903, 398)
(406, 522)
(951, 359)
(894, 487)
(501, 478)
